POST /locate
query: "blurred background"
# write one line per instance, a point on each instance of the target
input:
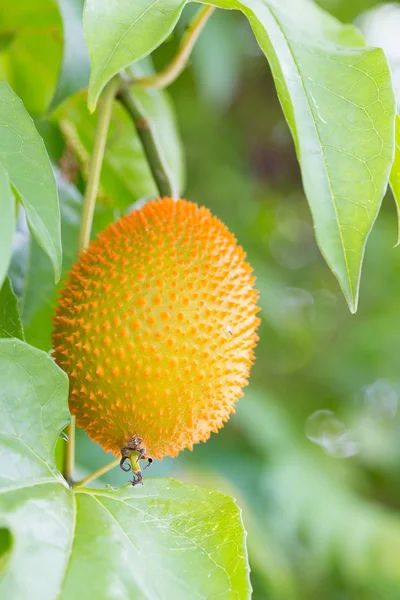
(313, 454)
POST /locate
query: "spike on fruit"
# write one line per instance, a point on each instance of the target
(172, 290)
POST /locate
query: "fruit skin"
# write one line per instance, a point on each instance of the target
(156, 328)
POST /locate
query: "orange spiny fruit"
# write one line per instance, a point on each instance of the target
(156, 328)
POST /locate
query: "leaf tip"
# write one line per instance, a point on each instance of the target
(352, 302)
(353, 308)
(92, 99)
(351, 297)
(57, 268)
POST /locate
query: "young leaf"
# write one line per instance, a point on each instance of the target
(338, 100)
(23, 156)
(7, 222)
(75, 66)
(120, 33)
(93, 542)
(10, 321)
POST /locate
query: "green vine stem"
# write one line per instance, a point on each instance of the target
(97, 473)
(179, 62)
(96, 162)
(150, 144)
(89, 203)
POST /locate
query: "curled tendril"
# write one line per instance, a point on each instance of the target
(121, 464)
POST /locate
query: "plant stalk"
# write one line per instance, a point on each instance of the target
(97, 473)
(179, 62)
(150, 144)
(89, 203)
(96, 161)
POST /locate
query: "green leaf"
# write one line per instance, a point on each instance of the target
(39, 294)
(7, 222)
(24, 157)
(192, 538)
(338, 100)
(34, 409)
(125, 175)
(120, 33)
(347, 11)
(35, 503)
(75, 66)
(84, 543)
(31, 60)
(10, 321)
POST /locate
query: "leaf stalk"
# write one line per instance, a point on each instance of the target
(168, 75)
(97, 473)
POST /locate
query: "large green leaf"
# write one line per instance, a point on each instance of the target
(24, 157)
(120, 33)
(10, 321)
(345, 10)
(192, 540)
(164, 540)
(125, 175)
(32, 57)
(75, 66)
(338, 100)
(7, 222)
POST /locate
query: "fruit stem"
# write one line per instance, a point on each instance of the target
(97, 473)
(147, 135)
(89, 203)
(179, 62)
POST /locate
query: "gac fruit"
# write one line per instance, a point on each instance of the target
(156, 328)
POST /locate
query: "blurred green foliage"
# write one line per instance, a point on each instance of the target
(319, 490)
